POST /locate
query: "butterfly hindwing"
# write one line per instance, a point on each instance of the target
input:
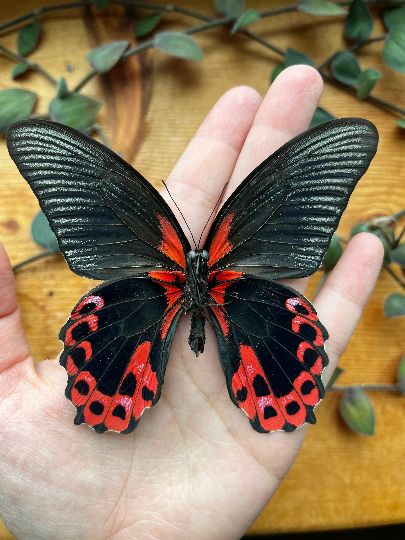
(270, 343)
(279, 222)
(117, 342)
(109, 221)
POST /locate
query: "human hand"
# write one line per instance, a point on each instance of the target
(194, 467)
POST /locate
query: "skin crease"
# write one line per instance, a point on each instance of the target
(194, 468)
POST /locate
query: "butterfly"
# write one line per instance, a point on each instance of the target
(112, 225)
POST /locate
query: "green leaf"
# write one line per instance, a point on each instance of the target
(75, 110)
(320, 7)
(19, 69)
(179, 45)
(367, 80)
(42, 233)
(320, 117)
(28, 37)
(386, 236)
(293, 58)
(105, 57)
(401, 375)
(250, 16)
(345, 68)
(335, 375)
(332, 255)
(276, 72)
(397, 255)
(62, 88)
(394, 49)
(359, 23)
(394, 16)
(15, 104)
(147, 24)
(394, 305)
(401, 123)
(100, 4)
(357, 410)
(230, 8)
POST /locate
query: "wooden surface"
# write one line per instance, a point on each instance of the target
(153, 106)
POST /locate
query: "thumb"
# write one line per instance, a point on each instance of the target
(13, 342)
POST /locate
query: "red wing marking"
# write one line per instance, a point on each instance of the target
(305, 347)
(92, 323)
(170, 244)
(296, 325)
(293, 410)
(84, 385)
(221, 245)
(96, 408)
(224, 275)
(253, 394)
(136, 391)
(306, 388)
(223, 322)
(168, 320)
(173, 293)
(292, 303)
(71, 367)
(97, 301)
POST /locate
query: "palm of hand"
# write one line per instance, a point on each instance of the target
(194, 467)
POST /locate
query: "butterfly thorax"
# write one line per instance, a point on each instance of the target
(196, 296)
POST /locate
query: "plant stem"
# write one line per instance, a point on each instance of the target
(398, 239)
(41, 10)
(31, 64)
(393, 275)
(32, 259)
(353, 90)
(373, 387)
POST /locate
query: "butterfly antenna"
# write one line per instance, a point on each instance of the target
(181, 213)
(215, 207)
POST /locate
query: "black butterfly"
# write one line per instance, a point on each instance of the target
(111, 224)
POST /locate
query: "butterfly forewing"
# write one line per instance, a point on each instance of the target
(109, 221)
(279, 222)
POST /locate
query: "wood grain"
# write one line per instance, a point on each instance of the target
(153, 106)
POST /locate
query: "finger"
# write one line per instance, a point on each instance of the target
(286, 111)
(208, 161)
(341, 300)
(13, 343)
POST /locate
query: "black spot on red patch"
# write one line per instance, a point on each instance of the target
(301, 309)
(147, 394)
(242, 394)
(308, 332)
(269, 412)
(80, 330)
(78, 356)
(307, 387)
(119, 412)
(310, 357)
(82, 387)
(260, 386)
(96, 408)
(292, 408)
(128, 385)
(87, 308)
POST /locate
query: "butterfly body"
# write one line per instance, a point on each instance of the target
(111, 224)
